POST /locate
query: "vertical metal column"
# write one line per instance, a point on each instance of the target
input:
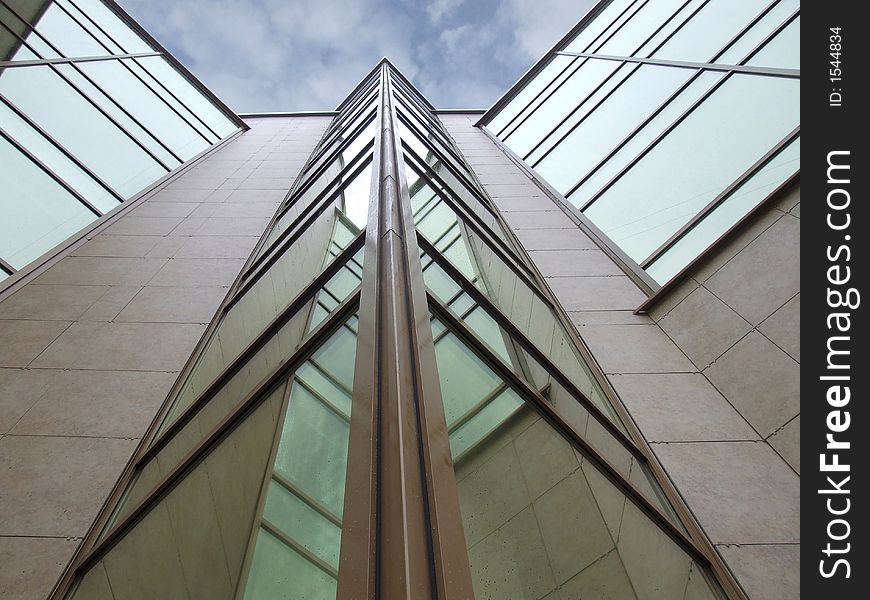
(403, 536)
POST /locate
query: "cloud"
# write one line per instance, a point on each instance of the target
(275, 55)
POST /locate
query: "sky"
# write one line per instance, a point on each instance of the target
(294, 55)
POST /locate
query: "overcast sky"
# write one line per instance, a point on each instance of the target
(287, 55)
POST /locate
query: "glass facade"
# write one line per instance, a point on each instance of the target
(91, 113)
(391, 404)
(663, 122)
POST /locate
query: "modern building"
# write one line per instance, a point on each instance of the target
(547, 350)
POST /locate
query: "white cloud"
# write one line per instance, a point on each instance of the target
(264, 55)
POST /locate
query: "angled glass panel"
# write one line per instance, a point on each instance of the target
(191, 542)
(539, 516)
(709, 30)
(733, 128)
(153, 113)
(14, 26)
(348, 121)
(749, 41)
(274, 290)
(639, 28)
(783, 51)
(614, 14)
(191, 98)
(344, 148)
(49, 154)
(123, 117)
(557, 106)
(298, 541)
(353, 182)
(414, 139)
(38, 212)
(646, 88)
(610, 165)
(482, 267)
(56, 107)
(742, 200)
(528, 93)
(64, 33)
(212, 362)
(620, 453)
(450, 186)
(109, 22)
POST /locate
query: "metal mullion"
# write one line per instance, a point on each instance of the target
(495, 243)
(48, 171)
(137, 76)
(284, 242)
(331, 378)
(218, 433)
(616, 87)
(298, 548)
(682, 64)
(408, 103)
(36, 127)
(566, 429)
(409, 87)
(77, 59)
(248, 353)
(372, 75)
(479, 406)
(670, 99)
(350, 114)
(302, 495)
(721, 197)
(483, 301)
(640, 6)
(319, 397)
(54, 68)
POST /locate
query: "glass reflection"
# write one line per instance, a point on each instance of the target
(298, 541)
(539, 516)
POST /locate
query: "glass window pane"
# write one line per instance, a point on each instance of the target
(639, 28)
(79, 127)
(599, 133)
(109, 22)
(706, 152)
(66, 35)
(48, 153)
(301, 522)
(616, 13)
(582, 83)
(527, 93)
(709, 30)
(739, 203)
(665, 116)
(117, 81)
(38, 212)
(191, 97)
(747, 43)
(783, 51)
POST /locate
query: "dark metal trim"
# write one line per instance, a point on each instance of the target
(6, 267)
(278, 114)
